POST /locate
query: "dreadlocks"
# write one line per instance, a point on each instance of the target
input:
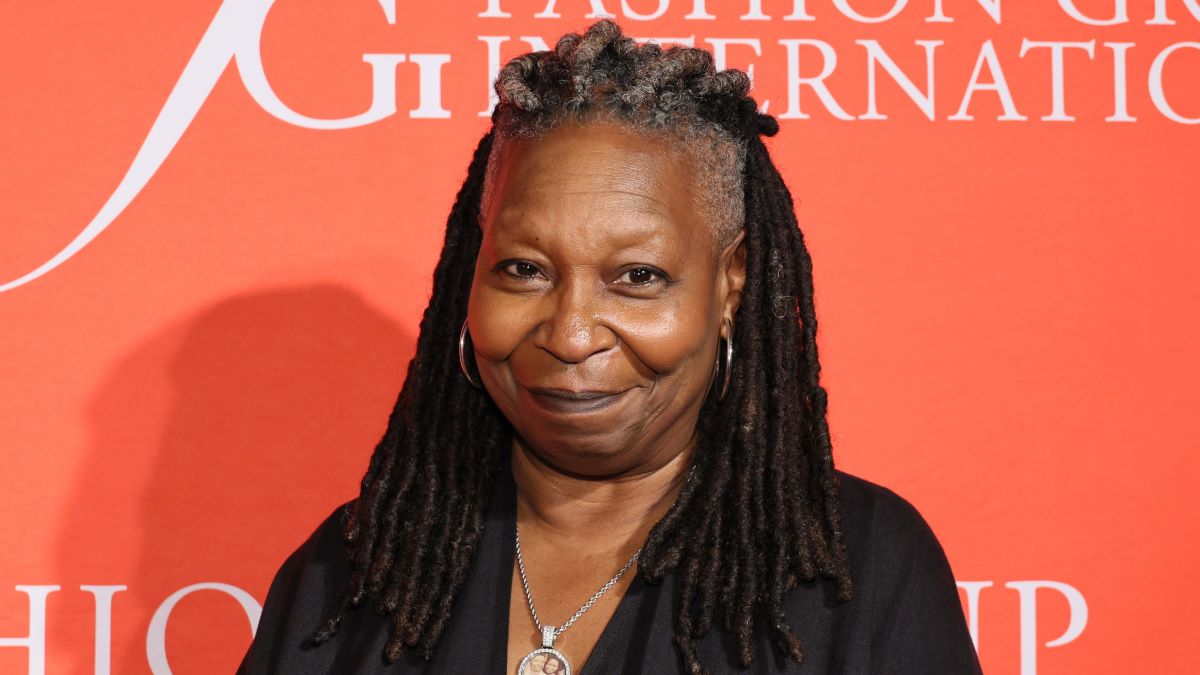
(761, 512)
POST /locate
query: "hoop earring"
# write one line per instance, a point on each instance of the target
(462, 357)
(725, 376)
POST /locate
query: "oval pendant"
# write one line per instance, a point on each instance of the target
(544, 661)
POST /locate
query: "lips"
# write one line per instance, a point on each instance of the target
(574, 401)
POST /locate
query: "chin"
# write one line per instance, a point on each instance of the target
(583, 454)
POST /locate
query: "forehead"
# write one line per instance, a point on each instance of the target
(604, 178)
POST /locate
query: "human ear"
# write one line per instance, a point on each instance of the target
(732, 270)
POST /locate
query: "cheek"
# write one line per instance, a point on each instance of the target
(671, 338)
(498, 322)
(668, 337)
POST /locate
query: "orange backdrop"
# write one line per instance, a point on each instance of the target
(220, 220)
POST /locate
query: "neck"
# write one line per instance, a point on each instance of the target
(616, 510)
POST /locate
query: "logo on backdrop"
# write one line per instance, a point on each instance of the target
(236, 31)
(156, 632)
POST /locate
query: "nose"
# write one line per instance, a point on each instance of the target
(572, 330)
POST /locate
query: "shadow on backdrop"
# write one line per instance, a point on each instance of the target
(262, 409)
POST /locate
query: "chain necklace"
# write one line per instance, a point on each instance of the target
(547, 654)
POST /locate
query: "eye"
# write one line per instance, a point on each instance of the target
(521, 269)
(642, 276)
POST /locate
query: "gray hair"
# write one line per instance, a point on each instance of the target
(669, 94)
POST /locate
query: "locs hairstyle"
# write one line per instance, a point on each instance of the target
(761, 512)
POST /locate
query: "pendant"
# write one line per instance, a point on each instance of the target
(545, 660)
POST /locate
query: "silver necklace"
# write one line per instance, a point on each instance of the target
(546, 659)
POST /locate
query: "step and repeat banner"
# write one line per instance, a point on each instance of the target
(220, 219)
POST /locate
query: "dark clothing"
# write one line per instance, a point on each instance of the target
(905, 616)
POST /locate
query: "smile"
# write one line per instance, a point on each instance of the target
(565, 401)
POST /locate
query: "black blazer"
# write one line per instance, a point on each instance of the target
(905, 616)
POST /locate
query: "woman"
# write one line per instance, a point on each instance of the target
(536, 665)
(617, 371)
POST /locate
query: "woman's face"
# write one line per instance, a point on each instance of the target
(598, 298)
(552, 666)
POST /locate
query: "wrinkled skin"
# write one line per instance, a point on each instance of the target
(597, 277)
